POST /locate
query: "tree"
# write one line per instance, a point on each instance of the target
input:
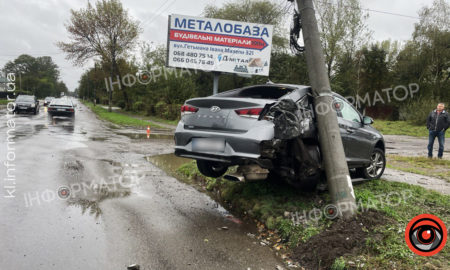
(343, 29)
(105, 32)
(374, 71)
(38, 76)
(426, 58)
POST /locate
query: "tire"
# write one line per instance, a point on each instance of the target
(35, 111)
(376, 169)
(211, 168)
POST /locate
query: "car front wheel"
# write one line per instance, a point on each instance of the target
(211, 168)
(377, 165)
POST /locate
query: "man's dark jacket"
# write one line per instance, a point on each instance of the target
(437, 122)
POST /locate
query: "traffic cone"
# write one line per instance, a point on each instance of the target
(148, 132)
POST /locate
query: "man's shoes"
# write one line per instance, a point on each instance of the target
(430, 157)
(439, 157)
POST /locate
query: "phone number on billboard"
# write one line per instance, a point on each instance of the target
(191, 57)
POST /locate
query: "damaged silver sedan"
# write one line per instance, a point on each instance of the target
(271, 129)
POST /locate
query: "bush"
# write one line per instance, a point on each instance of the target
(120, 104)
(167, 111)
(160, 107)
(417, 111)
(138, 106)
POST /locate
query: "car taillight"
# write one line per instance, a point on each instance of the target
(70, 110)
(187, 109)
(251, 112)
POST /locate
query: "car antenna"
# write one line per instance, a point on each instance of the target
(269, 82)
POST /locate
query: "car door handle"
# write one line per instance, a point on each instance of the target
(350, 130)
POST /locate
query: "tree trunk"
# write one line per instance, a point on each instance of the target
(124, 90)
(110, 89)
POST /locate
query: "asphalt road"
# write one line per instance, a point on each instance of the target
(83, 196)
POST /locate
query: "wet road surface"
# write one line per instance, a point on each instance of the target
(83, 196)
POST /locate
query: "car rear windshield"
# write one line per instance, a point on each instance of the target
(61, 102)
(25, 99)
(262, 91)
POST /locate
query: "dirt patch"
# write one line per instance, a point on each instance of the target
(340, 239)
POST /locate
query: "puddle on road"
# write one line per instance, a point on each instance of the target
(93, 194)
(87, 206)
(87, 195)
(98, 139)
(142, 136)
(168, 162)
(40, 127)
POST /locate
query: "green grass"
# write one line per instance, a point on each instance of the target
(4, 101)
(402, 128)
(151, 118)
(439, 168)
(269, 203)
(119, 118)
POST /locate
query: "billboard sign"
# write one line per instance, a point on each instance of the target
(219, 45)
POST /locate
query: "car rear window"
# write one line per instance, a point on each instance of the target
(25, 99)
(61, 102)
(263, 92)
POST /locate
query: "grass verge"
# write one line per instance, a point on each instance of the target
(3, 101)
(385, 208)
(402, 128)
(151, 118)
(439, 168)
(119, 118)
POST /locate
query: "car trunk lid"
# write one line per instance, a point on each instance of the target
(220, 114)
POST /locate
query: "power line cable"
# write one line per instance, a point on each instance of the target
(156, 16)
(158, 12)
(371, 10)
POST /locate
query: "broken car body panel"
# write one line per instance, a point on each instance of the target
(261, 124)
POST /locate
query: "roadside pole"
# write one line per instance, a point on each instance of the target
(338, 178)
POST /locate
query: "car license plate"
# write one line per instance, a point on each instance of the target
(208, 145)
(22, 107)
(61, 110)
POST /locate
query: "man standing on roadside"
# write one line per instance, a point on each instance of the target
(437, 123)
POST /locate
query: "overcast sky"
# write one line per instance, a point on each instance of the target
(34, 26)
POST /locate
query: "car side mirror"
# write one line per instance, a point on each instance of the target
(367, 120)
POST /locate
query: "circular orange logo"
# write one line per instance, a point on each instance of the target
(426, 235)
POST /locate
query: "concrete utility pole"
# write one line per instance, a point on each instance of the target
(338, 178)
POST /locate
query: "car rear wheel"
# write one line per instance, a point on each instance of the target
(377, 165)
(211, 168)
